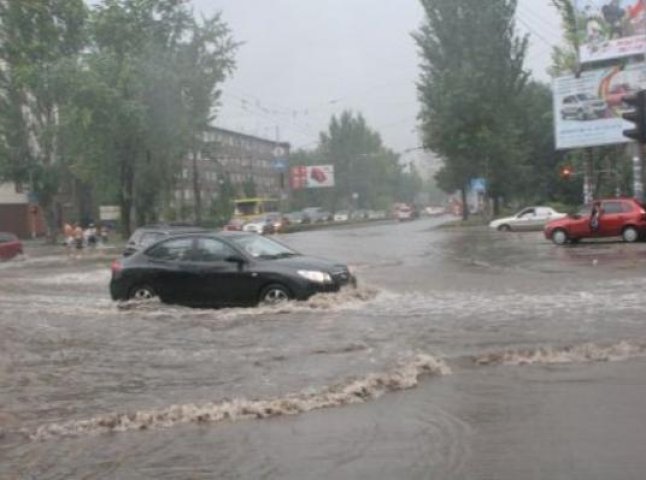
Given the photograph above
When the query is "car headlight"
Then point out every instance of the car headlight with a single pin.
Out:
(315, 276)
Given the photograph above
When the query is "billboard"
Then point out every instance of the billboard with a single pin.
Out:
(610, 28)
(588, 109)
(315, 176)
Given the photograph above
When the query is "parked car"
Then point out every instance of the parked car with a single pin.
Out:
(149, 234)
(617, 217)
(294, 218)
(10, 246)
(225, 269)
(583, 106)
(342, 216)
(434, 211)
(376, 215)
(315, 215)
(530, 218)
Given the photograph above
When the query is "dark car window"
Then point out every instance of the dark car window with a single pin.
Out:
(528, 212)
(149, 238)
(6, 238)
(176, 249)
(627, 207)
(211, 250)
(262, 247)
(612, 207)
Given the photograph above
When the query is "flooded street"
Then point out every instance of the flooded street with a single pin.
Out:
(463, 354)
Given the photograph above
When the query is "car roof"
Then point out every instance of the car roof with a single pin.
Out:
(171, 227)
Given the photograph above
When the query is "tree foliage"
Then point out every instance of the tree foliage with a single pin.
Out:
(367, 174)
(472, 75)
(110, 98)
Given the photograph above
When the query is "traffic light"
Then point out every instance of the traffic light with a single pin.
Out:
(636, 115)
(566, 172)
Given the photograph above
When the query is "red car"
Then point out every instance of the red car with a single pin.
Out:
(10, 246)
(617, 217)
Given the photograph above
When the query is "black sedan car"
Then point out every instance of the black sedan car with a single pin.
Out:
(224, 269)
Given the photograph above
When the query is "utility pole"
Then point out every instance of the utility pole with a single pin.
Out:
(588, 178)
(638, 185)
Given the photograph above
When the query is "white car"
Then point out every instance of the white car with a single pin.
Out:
(342, 216)
(530, 218)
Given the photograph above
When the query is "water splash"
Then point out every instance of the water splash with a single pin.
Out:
(584, 353)
(404, 376)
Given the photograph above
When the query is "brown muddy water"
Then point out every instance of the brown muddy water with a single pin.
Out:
(464, 354)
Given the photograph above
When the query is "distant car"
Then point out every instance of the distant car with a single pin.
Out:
(225, 269)
(403, 213)
(531, 218)
(358, 214)
(618, 217)
(261, 225)
(294, 218)
(342, 216)
(433, 211)
(583, 106)
(10, 246)
(376, 215)
(276, 220)
(315, 215)
(149, 234)
(234, 225)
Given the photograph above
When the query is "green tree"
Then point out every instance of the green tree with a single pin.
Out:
(36, 40)
(471, 76)
(144, 98)
(364, 168)
(206, 58)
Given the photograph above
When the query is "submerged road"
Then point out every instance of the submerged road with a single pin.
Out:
(464, 354)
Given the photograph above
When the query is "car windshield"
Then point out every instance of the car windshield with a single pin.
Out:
(262, 247)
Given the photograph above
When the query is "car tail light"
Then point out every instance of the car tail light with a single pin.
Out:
(643, 213)
(116, 267)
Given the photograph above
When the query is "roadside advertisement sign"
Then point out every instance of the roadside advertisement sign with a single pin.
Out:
(610, 28)
(588, 109)
(315, 176)
(109, 213)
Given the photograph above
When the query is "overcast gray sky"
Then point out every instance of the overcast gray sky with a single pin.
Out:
(304, 60)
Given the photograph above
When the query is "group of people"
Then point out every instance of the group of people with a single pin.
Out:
(77, 237)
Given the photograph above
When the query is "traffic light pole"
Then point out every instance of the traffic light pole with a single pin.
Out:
(638, 184)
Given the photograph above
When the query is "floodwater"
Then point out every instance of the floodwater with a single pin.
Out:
(464, 354)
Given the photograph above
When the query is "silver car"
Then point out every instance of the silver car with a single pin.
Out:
(530, 218)
(583, 106)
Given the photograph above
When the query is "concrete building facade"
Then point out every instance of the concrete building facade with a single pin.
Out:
(243, 158)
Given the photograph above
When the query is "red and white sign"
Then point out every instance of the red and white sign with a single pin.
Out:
(315, 176)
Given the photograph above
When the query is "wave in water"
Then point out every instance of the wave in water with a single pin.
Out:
(361, 390)
(584, 353)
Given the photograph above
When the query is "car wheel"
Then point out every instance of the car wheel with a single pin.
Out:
(275, 294)
(559, 236)
(504, 228)
(142, 292)
(630, 235)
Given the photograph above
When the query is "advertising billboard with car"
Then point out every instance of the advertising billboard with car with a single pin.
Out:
(588, 109)
(610, 28)
(314, 176)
